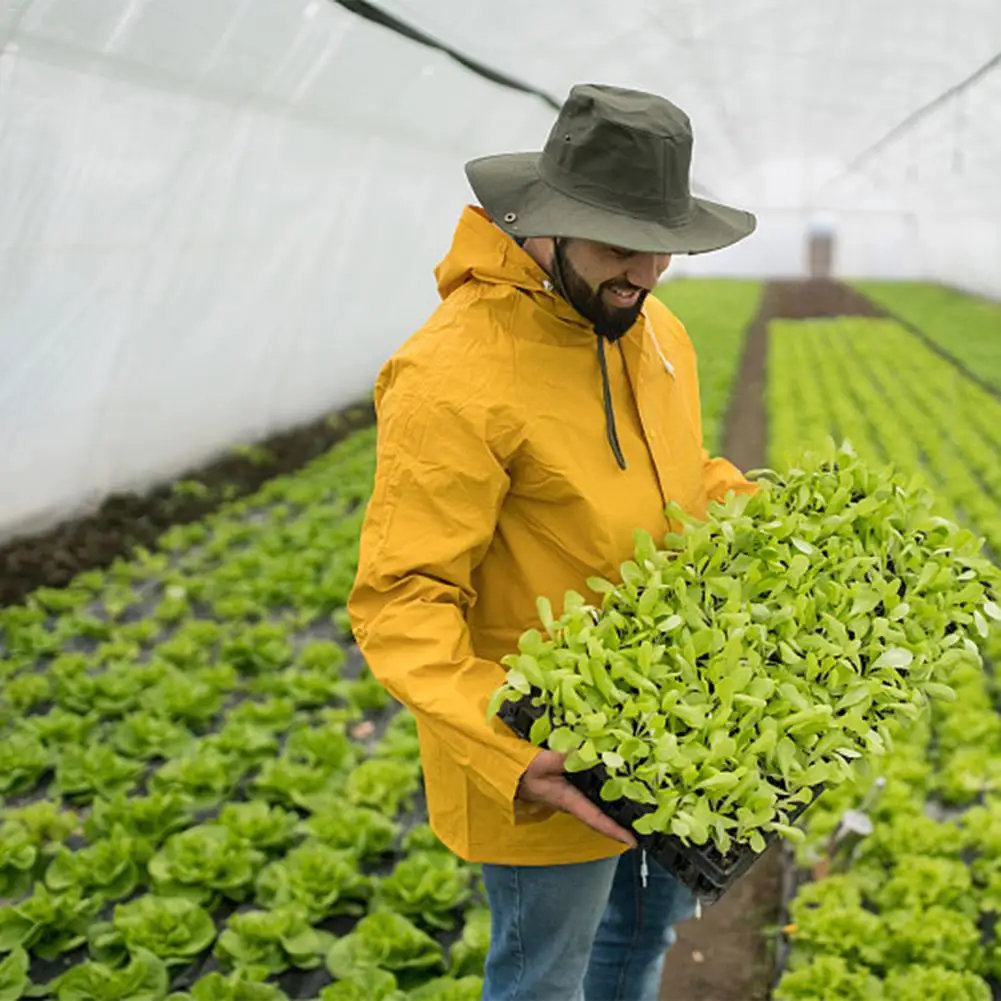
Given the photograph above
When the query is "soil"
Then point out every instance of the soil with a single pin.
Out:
(126, 521)
(727, 953)
(745, 434)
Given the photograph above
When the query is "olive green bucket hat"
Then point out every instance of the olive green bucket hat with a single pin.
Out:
(615, 169)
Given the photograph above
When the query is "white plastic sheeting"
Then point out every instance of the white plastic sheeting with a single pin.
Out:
(785, 95)
(217, 217)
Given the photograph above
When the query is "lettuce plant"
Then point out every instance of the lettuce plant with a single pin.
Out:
(14, 982)
(363, 831)
(46, 822)
(294, 783)
(181, 697)
(258, 649)
(58, 728)
(911, 834)
(935, 983)
(850, 931)
(919, 882)
(420, 838)
(304, 686)
(203, 774)
(934, 936)
(250, 741)
(322, 655)
(234, 987)
(275, 713)
(112, 693)
(170, 610)
(969, 773)
(318, 878)
(323, 747)
(144, 978)
(18, 856)
(449, 989)
(382, 783)
(262, 826)
(368, 694)
(47, 923)
(106, 870)
(400, 740)
(830, 978)
(388, 941)
(26, 691)
(428, 886)
(218, 675)
(469, 954)
(272, 940)
(368, 984)
(172, 928)
(144, 632)
(23, 761)
(204, 861)
(146, 735)
(85, 772)
(148, 820)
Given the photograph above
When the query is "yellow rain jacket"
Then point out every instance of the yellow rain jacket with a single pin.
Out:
(495, 484)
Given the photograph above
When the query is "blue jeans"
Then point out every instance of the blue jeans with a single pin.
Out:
(582, 932)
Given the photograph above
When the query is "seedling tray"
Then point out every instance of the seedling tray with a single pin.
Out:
(701, 868)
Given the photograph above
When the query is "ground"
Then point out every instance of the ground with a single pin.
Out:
(725, 955)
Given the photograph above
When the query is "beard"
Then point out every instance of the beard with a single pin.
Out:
(608, 321)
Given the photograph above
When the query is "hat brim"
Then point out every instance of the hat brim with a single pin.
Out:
(509, 184)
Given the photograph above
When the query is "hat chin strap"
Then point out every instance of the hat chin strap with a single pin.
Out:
(559, 283)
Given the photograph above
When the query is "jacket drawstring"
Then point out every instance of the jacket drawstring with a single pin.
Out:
(560, 285)
(606, 390)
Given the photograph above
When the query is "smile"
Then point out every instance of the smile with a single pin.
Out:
(623, 298)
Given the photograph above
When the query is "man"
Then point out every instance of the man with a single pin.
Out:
(547, 409)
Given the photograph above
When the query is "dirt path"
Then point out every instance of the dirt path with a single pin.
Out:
(726, 956)
(745, 436)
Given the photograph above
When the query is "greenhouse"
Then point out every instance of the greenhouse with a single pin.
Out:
(442, 441)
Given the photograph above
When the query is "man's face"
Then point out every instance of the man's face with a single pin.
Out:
(607, 285)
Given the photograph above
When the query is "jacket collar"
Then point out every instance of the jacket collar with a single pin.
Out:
(482, 252)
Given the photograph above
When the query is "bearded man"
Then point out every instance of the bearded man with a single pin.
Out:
(546, 410)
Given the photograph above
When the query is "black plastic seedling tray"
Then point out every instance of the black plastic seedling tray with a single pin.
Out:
(701, 868)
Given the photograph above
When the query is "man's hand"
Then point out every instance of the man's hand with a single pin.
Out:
(544, 783)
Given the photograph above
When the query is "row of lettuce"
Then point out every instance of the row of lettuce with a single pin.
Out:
(910, 915)
(872, 382)
(205, 792)
(966, 327)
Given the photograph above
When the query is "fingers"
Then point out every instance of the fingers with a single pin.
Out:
(547, 763)
(544, 782)
(565, 797)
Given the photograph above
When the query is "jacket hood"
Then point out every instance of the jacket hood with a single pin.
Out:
(481, 251)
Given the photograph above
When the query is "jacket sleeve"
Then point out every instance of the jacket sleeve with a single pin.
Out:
(439, 486)
(721, 476)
